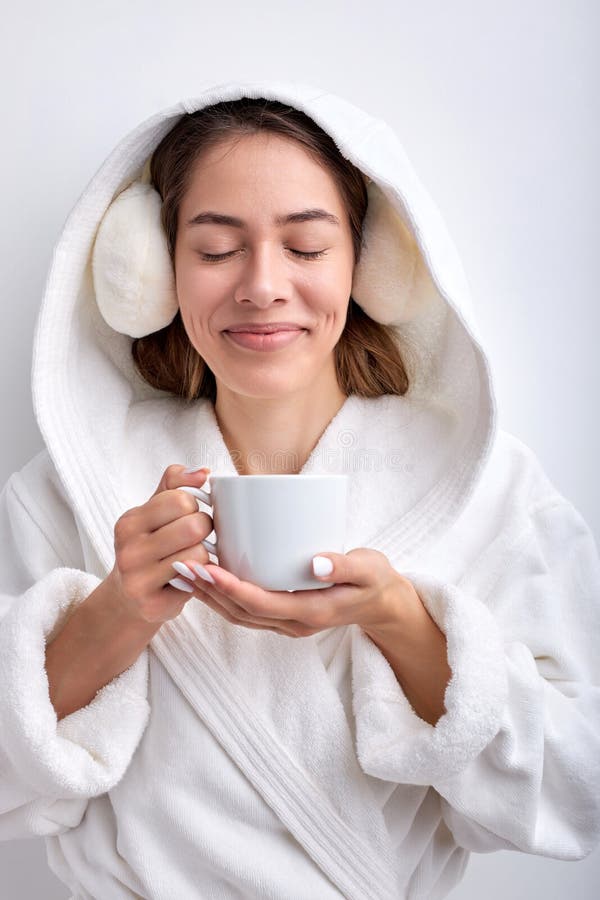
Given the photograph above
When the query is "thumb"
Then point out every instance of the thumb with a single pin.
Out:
(355, 567)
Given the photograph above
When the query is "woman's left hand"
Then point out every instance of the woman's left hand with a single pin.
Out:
(367, 592)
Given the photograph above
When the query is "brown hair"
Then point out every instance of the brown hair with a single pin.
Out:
(367, 358)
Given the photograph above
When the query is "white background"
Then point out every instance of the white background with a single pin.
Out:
(498, 108)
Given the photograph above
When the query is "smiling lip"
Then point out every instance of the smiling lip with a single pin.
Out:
(265, 328)
(265, 341)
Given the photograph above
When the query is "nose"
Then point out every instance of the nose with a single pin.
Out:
(263, 277)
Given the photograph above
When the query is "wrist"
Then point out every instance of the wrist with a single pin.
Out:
(108, 604)
(97, 642)
(403, 613)
(416, 650)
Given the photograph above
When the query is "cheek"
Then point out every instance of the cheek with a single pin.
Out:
(335, 294)
(330, 287)
(199, 293)
(194, 281)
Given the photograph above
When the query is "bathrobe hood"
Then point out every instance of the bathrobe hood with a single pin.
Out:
(94, 411)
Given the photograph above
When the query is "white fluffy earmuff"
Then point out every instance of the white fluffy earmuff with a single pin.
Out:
(385, 282)
(134, 282)
(131, 267)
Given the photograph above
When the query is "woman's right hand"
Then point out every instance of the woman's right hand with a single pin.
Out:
(150, 538)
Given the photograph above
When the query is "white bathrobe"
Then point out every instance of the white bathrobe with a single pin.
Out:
(229, 762)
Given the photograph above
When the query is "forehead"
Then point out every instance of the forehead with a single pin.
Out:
(265, 163)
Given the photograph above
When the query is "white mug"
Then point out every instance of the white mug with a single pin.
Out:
(269, 527)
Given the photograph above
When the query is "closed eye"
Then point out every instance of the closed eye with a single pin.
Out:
(215, 257)
(312, 254)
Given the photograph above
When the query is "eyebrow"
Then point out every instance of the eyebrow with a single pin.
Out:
(304, 215)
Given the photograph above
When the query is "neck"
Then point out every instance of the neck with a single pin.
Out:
(275, 435)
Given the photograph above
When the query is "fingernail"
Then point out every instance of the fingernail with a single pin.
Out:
(181, 585)
(203, 573)
(322, 565)
(184, 570)
(197, 469)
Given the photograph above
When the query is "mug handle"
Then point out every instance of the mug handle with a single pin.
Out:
(199, 494)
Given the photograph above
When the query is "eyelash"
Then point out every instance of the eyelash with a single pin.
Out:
(215, 257)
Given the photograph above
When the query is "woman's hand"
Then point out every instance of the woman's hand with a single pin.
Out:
(367, 592)
(150, 538)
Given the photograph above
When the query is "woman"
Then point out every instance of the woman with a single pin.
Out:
(176, 732)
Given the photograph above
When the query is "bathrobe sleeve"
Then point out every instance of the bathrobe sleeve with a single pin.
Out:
(48, 769)
(515, 758)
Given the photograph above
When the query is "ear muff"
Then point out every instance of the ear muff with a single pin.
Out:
(134, 282)
(385, 278)
(133, 278)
